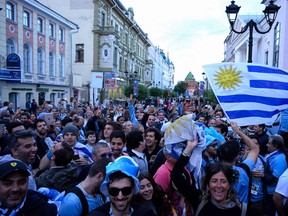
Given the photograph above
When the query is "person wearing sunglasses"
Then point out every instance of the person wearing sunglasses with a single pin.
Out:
(100, 150)
(120, 185)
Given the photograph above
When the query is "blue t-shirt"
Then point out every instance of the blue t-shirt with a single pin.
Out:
(71, 204)
(242, 184)
(257, 192)
(278, 165)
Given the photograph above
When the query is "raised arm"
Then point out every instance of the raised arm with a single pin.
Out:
(254, 148)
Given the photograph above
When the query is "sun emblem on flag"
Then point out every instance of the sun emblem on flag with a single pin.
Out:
(228, 78)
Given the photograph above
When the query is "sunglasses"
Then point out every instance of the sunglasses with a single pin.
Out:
(104, 155)
(125, 191)
(213, 145)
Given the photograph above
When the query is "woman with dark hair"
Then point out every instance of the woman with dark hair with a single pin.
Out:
(276, 160)
(219, 197)
(150, 193)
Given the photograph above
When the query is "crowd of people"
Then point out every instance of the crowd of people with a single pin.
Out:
(152, 157)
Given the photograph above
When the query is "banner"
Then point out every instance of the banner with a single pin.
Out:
(135, 88)
(96, 80)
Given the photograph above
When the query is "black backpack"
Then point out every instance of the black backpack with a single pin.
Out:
(84, 203)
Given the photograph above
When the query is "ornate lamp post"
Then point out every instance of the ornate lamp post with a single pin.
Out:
(270, 13)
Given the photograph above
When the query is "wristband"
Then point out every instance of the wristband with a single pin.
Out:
(49, 154)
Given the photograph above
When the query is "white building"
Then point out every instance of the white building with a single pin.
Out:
(35, 53)
(270, 48)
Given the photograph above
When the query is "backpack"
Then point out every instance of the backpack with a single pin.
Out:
(81, 196)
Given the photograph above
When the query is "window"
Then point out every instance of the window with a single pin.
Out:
(61, 34)
(266, 56)
(40, 26)
(103, 19)
(51, 64)
(10, 11)
(61, 66)
(26, 19)
(79, 53)
(10, 46)
(27, 59)
(120, 64)
(126, 39)
(51, 30)
(115, 56)
(40, 61)
(276, 45)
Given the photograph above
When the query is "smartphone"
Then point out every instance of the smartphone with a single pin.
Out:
(48, 117)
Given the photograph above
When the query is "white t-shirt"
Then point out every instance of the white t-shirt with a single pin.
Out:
(282, 186)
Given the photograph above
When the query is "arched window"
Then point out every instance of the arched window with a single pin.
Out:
(51, 63)
(61, 66)
(40, 61)
(27, 59)
(51, 30)
(10, 11)
(10, 46)
(26, 19)
(40, 25)
(61, 35)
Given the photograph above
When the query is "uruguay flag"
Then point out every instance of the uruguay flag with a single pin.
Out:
(249, 93)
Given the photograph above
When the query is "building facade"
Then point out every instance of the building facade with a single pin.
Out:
(112, 45)
(35, 47)
(269, 49)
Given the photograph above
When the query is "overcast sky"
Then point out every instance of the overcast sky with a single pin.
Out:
(192, 32)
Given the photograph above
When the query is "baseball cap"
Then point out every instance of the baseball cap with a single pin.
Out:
(12, 166)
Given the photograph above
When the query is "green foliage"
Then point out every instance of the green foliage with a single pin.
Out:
(181, 87)
(155, 92)
(142, 91)
(210, 96)
(173, 94)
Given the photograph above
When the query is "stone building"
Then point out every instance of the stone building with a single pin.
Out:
(111, 50)
(35, 53)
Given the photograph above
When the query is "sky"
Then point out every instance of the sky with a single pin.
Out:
(191, 32)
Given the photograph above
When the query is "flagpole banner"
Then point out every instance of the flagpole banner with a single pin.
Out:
(249, 93)
(135, 88)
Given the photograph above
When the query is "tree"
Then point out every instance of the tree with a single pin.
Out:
(181, 87)
(210, 96)
(142, 91)
(155, 92)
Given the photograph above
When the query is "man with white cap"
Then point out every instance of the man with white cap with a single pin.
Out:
(120, 185)
(15, 198)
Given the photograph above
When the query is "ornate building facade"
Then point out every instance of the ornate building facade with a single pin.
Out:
(35, 53)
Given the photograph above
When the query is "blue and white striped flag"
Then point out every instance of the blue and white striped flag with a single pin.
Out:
(249, 93)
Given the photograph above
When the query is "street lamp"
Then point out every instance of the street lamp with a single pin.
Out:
(131, 77)
(270, 13)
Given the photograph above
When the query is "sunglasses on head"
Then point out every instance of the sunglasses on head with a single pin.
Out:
(109, 154)
(125, 191)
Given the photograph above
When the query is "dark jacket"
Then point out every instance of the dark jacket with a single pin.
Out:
(37, 204)
(139, 210)
(59, 178)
